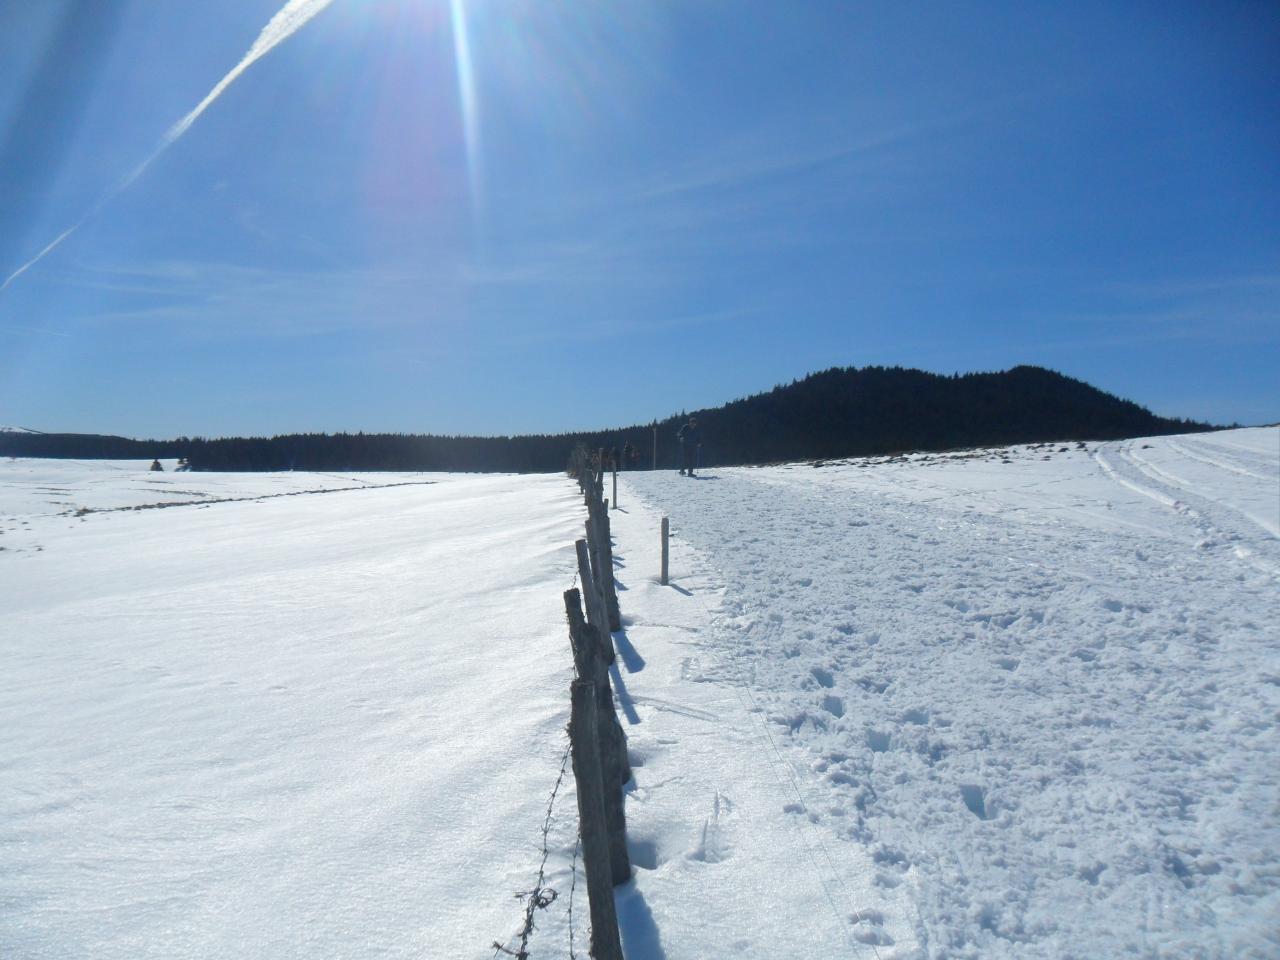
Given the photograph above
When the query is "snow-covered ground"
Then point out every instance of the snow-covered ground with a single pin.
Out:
(1015, 702)
(320, 725)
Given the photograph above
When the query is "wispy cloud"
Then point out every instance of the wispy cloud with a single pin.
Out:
(1226, 309)
(16, 328)
(209, 299)
(291, 18)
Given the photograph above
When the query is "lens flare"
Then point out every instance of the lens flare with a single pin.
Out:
(467, 98)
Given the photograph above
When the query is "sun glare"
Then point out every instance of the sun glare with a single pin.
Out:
(466, 97)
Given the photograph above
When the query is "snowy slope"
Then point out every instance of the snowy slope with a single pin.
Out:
(1038, 689)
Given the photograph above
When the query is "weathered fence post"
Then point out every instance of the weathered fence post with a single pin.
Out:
(615, 485)
(592, 531)
(612, 740)
(600, 539)
(666, 532)
(600, 579)
(596, 615)
(605, 944)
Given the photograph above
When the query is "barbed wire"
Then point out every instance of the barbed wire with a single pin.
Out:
(541, 896)
(573, 884)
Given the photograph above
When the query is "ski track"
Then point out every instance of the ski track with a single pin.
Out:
(1046, 735)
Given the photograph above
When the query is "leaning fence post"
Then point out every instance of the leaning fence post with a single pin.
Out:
(666, 532)
(605, 944)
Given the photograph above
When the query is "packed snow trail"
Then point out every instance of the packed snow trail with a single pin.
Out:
(1038, 689)
(727, 858)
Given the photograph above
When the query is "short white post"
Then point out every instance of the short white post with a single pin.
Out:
(666, 532)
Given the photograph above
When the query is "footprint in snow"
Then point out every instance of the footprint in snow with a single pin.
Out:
(975, 798)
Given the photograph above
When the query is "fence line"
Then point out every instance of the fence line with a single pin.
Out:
(597, 741)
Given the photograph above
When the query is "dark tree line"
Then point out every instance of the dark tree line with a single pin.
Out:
(871, 411)
(840, 412)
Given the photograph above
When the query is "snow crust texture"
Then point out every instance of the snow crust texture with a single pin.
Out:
(1029, 697)
(271, 722)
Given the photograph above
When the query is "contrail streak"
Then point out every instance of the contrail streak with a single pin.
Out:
(291, 18)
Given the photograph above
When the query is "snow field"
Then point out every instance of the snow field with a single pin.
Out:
(310, 726)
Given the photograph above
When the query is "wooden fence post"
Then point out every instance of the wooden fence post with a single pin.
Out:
(615, 769)
(600, 576)
(596, 615)
(602, 551)
(666, 532)
(605, 943)
(615, 486)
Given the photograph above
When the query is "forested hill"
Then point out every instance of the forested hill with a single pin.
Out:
(839, 412)
(877, 410)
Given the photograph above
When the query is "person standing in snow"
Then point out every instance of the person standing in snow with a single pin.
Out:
(690, 443)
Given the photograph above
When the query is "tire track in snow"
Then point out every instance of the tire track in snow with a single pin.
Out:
(1252, 456)
(1214, 462)
(1211, 533)
(1161, 475)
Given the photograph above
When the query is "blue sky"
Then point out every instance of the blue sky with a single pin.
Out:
(508, 216)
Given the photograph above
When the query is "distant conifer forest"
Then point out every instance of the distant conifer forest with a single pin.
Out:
(841, 412)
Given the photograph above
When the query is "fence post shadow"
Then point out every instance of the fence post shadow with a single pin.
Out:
(640, 939)
(631, 658)
(624, 698)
